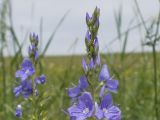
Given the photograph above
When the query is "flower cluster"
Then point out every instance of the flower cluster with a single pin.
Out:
(27, 83)
(91, 98)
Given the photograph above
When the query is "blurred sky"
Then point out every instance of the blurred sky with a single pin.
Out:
(28, 13)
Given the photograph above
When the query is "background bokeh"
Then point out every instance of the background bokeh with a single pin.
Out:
(128, 34)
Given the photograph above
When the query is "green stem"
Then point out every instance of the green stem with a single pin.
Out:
(3, 79)
(155, 81)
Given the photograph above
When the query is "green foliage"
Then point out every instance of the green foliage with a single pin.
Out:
(136, 101)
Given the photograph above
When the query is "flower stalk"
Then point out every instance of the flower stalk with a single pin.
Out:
(91, 99)
(28, 79)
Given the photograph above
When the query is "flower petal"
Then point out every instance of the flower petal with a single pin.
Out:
(18, 112)
(113, 113)
(99, 112)
(112, 85)
(83, 84)
(26, 63)
(106, 101)
(102, 91)
(17, 90)
(73, 92)
(40, 79)
(104, 73)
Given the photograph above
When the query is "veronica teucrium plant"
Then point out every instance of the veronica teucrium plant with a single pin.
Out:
(91, 98)
(27, 80)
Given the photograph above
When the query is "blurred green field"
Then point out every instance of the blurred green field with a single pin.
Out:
(135, 96)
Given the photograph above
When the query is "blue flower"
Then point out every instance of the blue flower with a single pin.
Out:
(26, 70)
(83, 109)
(104, 73)
(107, 110)
(25, 88)
(82, 85)
(18, 111)
(109, 83)
(40, 79)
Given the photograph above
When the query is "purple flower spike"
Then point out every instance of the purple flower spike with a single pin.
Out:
(40, 80)
(107, 110)
(83, 84)
(84, 108)
(18, 112)
(26, 70)
(104, 73)
(84, 64)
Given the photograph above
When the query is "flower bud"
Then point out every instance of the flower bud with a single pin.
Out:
(34, 39)
(88, 19)
(87, 38)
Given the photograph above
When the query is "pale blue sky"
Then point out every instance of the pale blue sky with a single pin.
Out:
(27, 15)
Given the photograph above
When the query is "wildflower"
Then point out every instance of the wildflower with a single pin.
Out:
(81, 95)
(109, 83)
(40, 79)
(107, 110)
(84, 108)
(82, 85)
(26, 70)
(25, 88)
(27, 85)
(18, 111)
